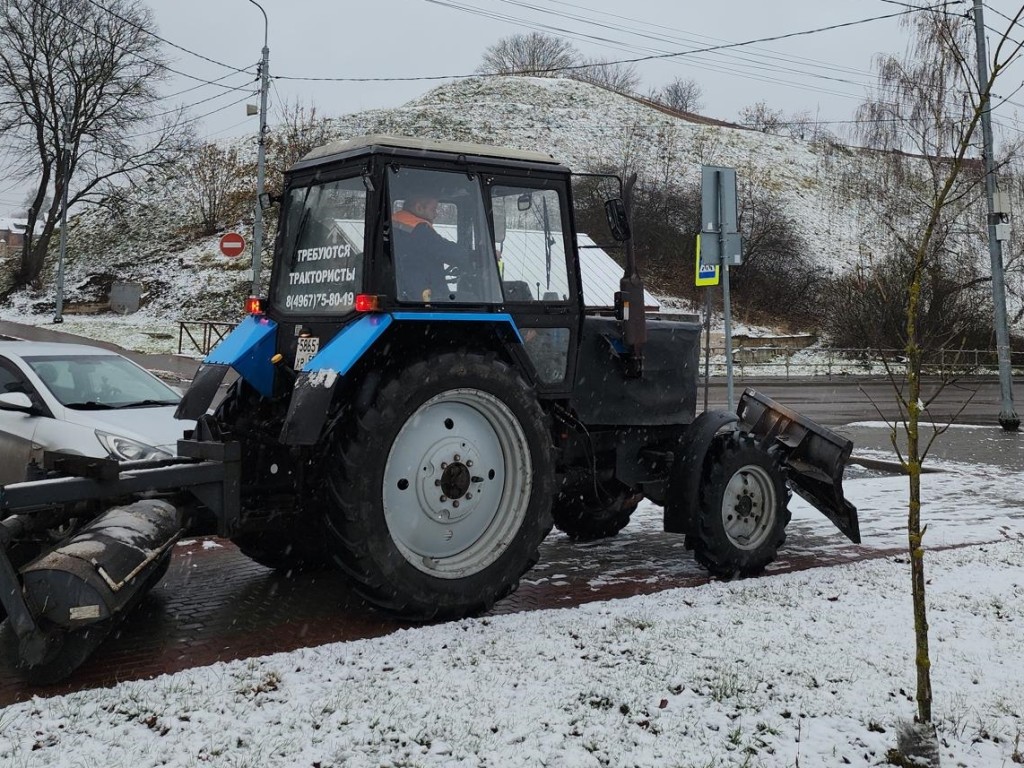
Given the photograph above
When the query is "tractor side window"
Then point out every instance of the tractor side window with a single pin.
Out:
(531, 244)
(440, 242)
(323, 236)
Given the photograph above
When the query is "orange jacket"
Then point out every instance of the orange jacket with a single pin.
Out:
(408, 220)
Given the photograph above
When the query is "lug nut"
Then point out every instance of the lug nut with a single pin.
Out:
(444, 499)
(437, 482)
(455, 503)
(469, 495)
(444, 465)
(469, 463)
(457, 457)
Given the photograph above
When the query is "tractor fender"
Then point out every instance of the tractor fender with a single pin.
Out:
(247, 349)
(315, 384)
(683, 493)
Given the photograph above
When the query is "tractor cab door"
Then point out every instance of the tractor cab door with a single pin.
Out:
(540, 286)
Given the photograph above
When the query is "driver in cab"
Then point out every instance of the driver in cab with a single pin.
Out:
(421, 253)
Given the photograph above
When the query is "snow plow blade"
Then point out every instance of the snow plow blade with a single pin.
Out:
(75, 592)
(815, 456)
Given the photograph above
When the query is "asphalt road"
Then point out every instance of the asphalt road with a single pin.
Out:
(842, 399)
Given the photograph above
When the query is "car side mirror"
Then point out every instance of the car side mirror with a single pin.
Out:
(16, 401)
(618, 221)
(266, 200)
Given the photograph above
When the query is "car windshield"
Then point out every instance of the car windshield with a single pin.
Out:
(100, 382)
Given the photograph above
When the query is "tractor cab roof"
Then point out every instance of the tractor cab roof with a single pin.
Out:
(403, 146)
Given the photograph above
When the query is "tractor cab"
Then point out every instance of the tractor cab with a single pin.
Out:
(425, 231)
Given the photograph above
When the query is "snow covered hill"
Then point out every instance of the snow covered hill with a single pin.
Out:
(142, 238)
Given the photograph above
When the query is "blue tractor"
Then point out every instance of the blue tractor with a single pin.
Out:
(422, 395)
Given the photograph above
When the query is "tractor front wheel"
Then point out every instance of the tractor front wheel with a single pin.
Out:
(743, 514)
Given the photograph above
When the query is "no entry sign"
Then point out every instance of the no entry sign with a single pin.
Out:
(232, 245)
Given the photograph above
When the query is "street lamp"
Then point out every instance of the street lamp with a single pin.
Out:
(257, 228)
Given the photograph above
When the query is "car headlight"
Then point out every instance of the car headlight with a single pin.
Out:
(125, 449)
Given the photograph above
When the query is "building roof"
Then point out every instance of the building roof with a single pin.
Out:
(13, 225)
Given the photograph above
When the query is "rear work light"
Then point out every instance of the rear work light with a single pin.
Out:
(253, 305)
(366, 302)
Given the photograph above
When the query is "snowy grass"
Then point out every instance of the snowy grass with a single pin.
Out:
(803, 669)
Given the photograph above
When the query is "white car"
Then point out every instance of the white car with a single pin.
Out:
(83, 400)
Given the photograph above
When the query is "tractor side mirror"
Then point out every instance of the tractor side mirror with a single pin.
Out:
(16, 401)
(524, 202)
(618, 221)
(266, 200)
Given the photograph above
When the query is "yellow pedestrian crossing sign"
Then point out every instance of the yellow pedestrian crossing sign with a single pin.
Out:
(707, 274)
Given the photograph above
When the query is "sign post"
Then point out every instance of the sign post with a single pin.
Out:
(719, 225)
(232, 245)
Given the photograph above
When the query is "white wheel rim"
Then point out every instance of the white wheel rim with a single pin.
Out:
(748, 507)
(457, 483)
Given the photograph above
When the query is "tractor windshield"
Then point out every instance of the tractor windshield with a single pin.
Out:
(322, 242)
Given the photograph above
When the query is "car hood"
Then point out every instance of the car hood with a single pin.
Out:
(154, 426)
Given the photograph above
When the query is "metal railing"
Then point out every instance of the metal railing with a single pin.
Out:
(823, 361)
(203, 335)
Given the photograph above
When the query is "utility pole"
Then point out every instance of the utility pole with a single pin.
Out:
(257, 228)
(1008, 418)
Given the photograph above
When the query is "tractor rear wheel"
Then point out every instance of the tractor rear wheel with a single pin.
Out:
(586, 517)
(441, 490)
(743, 514)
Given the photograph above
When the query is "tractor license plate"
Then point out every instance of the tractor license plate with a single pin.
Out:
(305, 349)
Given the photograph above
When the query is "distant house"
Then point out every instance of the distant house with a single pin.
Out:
(12, 236)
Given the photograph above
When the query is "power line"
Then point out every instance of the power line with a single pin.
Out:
(197, 118)
(687, 37)
(138, 56)
(203, 85)
(940, 8)
(1013, 22)
(746, 61)
(166, 41)
(248, 92)
(573, 67)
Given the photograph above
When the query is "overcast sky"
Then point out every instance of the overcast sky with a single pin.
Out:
(824, 73)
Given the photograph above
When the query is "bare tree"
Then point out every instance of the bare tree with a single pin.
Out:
(532, 54)
(682, 95)
(299, 129)
(616, 77)
(216, 186)
(780, 279)
(761, 117)
(924, 118)
(78, 82)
